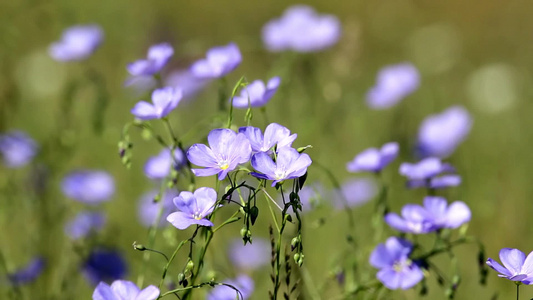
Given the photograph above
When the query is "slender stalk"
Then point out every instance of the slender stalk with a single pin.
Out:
(518, 290)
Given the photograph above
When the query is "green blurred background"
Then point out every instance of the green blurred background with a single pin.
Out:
(474, 53)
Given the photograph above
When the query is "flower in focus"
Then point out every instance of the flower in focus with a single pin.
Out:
(355, 192)
(159, 166)
(243, 283)
(17, 149)
(250, 256)
(516, 266)
(164, 101)
(194, 208)
(77, 43)
(275, 135)
(427, 173)
(84, 223)
(90, 187)
(158, 56)
(149, 210)
(219, 61)
(256, 94)
(301, 29)
(124, 290)
(374, 160)
(289, 164)
(434, 215)
(28, 273)
(396, 269)
(104, 265)
(227, 150)
(440, 134)
(189, 84)
(393, 84)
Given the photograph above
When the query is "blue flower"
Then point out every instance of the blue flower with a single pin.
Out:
(374, 160)
(149, 210)
(275, 135)
(90, 187)
(17, 149)
(219, 61)
(193, 208)
(356, 192)
(428, 173)
(256, 94)
(164, 101)
(289, 165)
(301, 29)
(434, 215)
(77, 43)
(28, 273)
(396, 269)
(85, 223)
(393, 84)
(124, 290)
(243, 283)
(440, 134)
(159, 166)
(158, 56)
(250, 256)
(104, 265)
(516, 266)
(185, 80)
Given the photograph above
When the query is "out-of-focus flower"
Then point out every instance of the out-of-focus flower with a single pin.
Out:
(396, 269)
(164, 101)
(374, 160)
(301, 29)
(256, 94)
(219, 61)
(158, 56)
(77, 43)
(243, 283)
(84, 223)
(149, 210)
(289, 164)
(275, 135)
(124, 290)
(185, 80)
(250, 256)
(28, 273)
(194, 208)
(516, 266)
(355, 192)
(434, 215)
(104, 265)
(159, 166)
(393, 84)
(17, 148)
(440, 134)
(427, 173)
(310, 196)
(227, 150)
(90, 187)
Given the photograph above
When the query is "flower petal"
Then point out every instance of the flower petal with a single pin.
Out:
(263, 163)
(181, 220)
(205, 200)
(149, 293)
(104, 292)
(144, 111)
(201, 155)
(498, 268)
(458, 214)
(125, 289)
(512, 259)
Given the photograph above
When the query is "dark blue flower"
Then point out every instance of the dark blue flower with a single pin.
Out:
(28, 273)
(104, 265)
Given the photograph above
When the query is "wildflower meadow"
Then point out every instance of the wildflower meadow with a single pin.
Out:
(265, 150)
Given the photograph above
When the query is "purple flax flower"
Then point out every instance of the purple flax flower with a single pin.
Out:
(275, 134)
(356, 192)
(228, 149)
(194, 208)
(104, 265)
(374, 160)
(425, 174)
(250, 256)
(256, 94)
(289, 164)
(159, 166)
(218, 62)
(17, 149)
(396, 270)
(440, 134)
(158, 56)
(28, 273)
(243, 283)
(516, 266)
(393, 84)
(149, 210)
(164, 101)
(90, 187)
(77, 43)
(434, 215)
(85, 223)
(124, 290)
(301, 29)
(187, 82)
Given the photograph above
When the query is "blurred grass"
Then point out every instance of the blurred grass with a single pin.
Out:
(322, 100)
